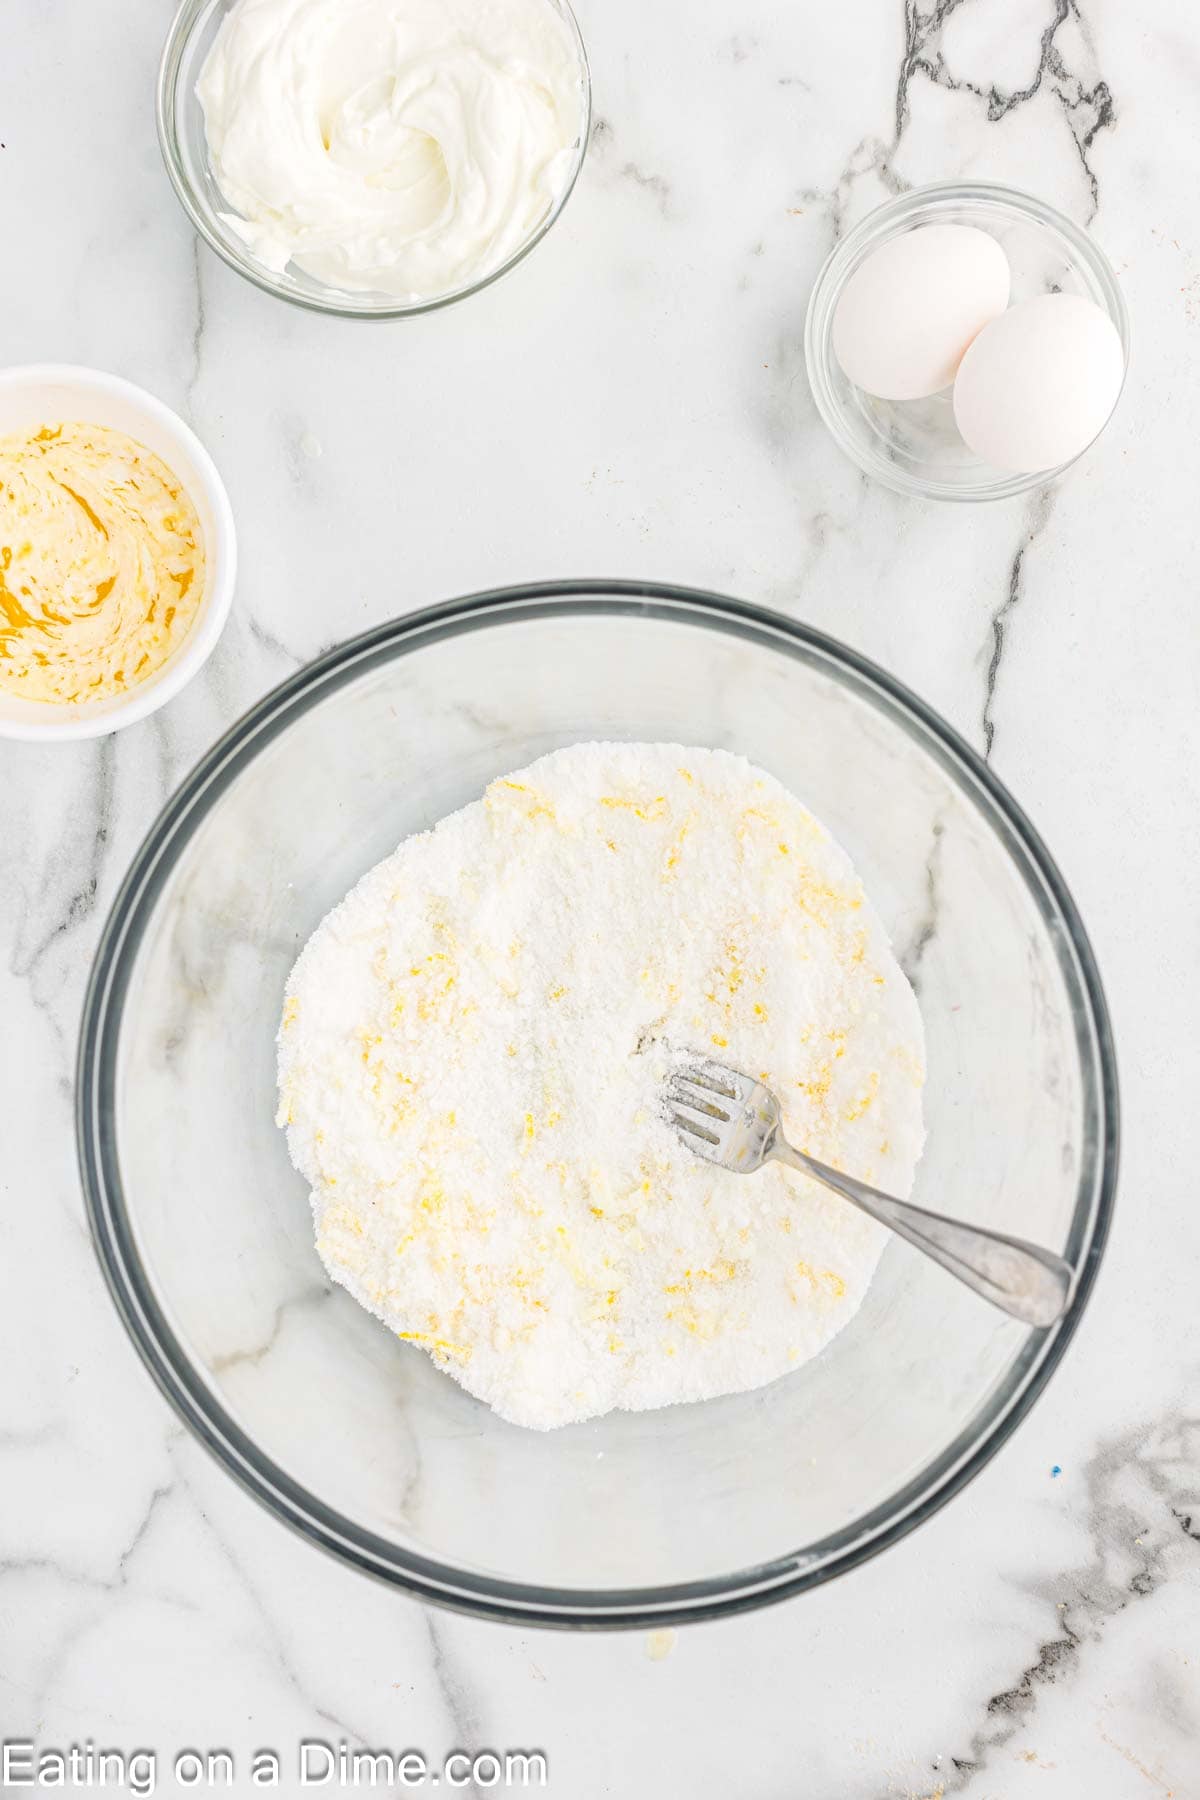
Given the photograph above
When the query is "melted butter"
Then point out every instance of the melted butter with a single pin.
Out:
(101, 564)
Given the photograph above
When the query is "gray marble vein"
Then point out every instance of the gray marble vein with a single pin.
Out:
(254, 1353)
(462, 1706)
(1082, 95)
(1040, 510)
(911, 955)
(196, 366)
(1139, 1489)
(274, 648)
(71, 880)
(1087, 109)
(657, 186)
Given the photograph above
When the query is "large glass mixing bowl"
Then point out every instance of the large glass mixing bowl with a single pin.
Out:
(204, 1229)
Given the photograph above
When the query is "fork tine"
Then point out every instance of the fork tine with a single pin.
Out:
(694, 1129)
(698, 1100)
(703, 1076)
(706, 1118)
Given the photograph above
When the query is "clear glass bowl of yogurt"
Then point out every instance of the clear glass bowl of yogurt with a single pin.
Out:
(914, 446)
(277, 140)
(357, 1440)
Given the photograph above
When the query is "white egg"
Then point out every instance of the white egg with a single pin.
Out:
(909, 311)
(1039, 383)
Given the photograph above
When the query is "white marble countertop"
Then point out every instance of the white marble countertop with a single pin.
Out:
(633, 402)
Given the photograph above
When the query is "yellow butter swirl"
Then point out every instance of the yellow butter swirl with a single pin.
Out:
(101, 564)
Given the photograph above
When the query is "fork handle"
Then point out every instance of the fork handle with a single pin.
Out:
(1030, 1283)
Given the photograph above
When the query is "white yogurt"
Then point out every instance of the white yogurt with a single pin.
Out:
(408, 147)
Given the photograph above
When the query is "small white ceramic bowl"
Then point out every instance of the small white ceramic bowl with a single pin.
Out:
(51, 393)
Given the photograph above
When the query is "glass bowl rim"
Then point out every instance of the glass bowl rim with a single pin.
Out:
(179, 35)
(525, 1603)
(834, 271)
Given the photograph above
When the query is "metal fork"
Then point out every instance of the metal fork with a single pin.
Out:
(734, 1122)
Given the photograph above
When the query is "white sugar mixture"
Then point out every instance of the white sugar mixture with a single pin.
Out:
(470, 1065)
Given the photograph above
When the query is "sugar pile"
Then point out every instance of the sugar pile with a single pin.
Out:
(470, 1059)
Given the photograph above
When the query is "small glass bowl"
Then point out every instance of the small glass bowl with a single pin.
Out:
(914, 446)
(184, 146)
